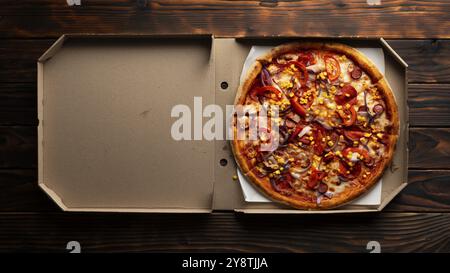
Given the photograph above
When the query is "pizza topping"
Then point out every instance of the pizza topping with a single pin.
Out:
(332, 67)
(349, 172)
(306, 58)
(319, 139)
(356, 73)
(268, 91)
(265, 77)
(353, 135)
(295, 70)
(300, 131)
(323, 188)
(347, 94)
(315, 177)
(282, 184)
(378, 109)
(298, 108)
(347, 115)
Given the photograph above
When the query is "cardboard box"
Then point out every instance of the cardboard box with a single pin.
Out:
(104, 108)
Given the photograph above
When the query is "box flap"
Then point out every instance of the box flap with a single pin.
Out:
(105, 139)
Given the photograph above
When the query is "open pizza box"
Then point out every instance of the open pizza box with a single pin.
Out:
(107, 105)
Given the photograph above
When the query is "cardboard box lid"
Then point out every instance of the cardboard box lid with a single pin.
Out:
(104, 107)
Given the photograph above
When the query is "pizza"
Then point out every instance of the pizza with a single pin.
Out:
(327, 124)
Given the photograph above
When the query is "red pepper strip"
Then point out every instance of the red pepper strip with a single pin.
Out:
(319, 145)
(259, 91)
(297, 130)
(303, 78)
(348, 121)
(298, 108)
(353, 135)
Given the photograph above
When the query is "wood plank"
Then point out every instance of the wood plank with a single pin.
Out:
(429, 148)
(20, 192)
(396, 232)
(429, 105)
(428, 60)
(18, 104)
(18, 147)
(390, 19)
(427, 191)
(18, 59)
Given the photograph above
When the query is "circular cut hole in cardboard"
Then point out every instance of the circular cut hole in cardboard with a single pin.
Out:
(224, 85)
(223, 162)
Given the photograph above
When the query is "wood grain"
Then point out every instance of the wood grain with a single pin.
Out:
(18, 105)
(391, 19)
(428, 191)
(19, 192)
(429, 105)
(18, 59)
(429, 148)
(425, 59)
(18, 147)
(396, 232)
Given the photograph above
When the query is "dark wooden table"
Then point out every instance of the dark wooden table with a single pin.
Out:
(417, 220)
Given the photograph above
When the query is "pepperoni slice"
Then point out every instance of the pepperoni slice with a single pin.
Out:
(323, 188)
(356, 73)
(347, 94)
(378, 109)
(282, 185)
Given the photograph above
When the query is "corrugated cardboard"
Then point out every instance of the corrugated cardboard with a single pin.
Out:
(104, 104)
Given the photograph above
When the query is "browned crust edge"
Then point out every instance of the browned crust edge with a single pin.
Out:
(376, 77)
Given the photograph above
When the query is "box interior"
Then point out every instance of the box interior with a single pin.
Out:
(106, 123)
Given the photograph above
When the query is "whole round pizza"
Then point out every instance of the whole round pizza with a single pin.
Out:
(327, 124)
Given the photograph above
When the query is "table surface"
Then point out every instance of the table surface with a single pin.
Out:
(418, 219)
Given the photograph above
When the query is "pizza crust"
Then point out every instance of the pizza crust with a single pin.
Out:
(359, 188)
